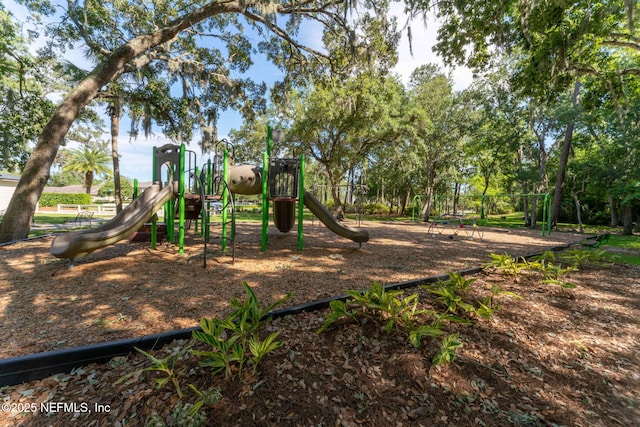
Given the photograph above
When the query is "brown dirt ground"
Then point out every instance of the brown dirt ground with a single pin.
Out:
(551, 358)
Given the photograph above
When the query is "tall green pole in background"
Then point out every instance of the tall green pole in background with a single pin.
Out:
(170, 209)
(225, 197)
(182, 201)
(265, 199)
(209, 191)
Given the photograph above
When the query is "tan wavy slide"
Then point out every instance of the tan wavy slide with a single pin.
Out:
(77, 244)
(324, 215)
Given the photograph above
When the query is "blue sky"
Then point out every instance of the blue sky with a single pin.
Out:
(136, 155)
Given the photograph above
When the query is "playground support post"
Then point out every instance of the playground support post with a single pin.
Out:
(546, 208)
(182, 200)
(154, 221)
(301, 204)
(209, 190)
(265, 202)
(225, 197)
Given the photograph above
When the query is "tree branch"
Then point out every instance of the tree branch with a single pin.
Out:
(282, 34)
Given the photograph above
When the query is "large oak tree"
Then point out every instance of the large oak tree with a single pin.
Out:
(137, 34)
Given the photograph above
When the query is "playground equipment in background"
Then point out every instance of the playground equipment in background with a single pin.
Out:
(451, 224)
(187, 195)
(353, 194)
(77, 244)
(283, 185)
(457, 224)
(482, 208)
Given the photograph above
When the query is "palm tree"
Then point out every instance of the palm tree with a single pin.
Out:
(88, 162)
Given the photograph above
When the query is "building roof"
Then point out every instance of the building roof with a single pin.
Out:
(8, 177)
(71, 189)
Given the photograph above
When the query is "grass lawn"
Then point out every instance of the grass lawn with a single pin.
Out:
(631, 243)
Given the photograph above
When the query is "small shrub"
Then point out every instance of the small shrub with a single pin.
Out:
(507, 264)
(448, 348)
(52, 200)
(235, 341)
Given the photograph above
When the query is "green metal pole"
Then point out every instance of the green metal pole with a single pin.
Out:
(209, 192)
(135, 189)
(201, 218)
(301, 204)
(154, 221)
(265, 202)
(225, 198)
(182, 201)
(550, 210)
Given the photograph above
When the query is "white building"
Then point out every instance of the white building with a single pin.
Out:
(8, 184)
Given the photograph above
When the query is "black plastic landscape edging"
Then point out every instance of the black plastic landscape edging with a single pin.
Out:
(21, 369)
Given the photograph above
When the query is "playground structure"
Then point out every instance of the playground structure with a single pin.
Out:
(189, 194)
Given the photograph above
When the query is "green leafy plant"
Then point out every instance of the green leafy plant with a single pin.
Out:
(166, 366)
(338, 311)
(458, 283)
(486, 307)
(387, 305)
(226, 351)
(580, 258)
(260, 348)
(235, 341)
(205, 398)
(448, 297)
(489, 304)
(546, 256)
(450, 292)
(448, 348)
(554, 274)
(417, 334)
(248, 315)
(507, 264)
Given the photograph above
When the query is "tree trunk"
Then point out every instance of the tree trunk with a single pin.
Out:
(426, 209)
(334, 184)
(613, 206)
(88, 181)
(407, 200)
(564, 159)
(627, 220)
(456, 198)
(115, 111)
(17, 219)
(578, 212)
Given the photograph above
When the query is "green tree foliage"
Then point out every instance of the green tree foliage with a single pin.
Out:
(555, 44)
(126, 37)
(427, 155)
(62, 179)
(337, 123)
(107, 188)
(554, 41)
(496, 127)
(89, 162)
(23, 106)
